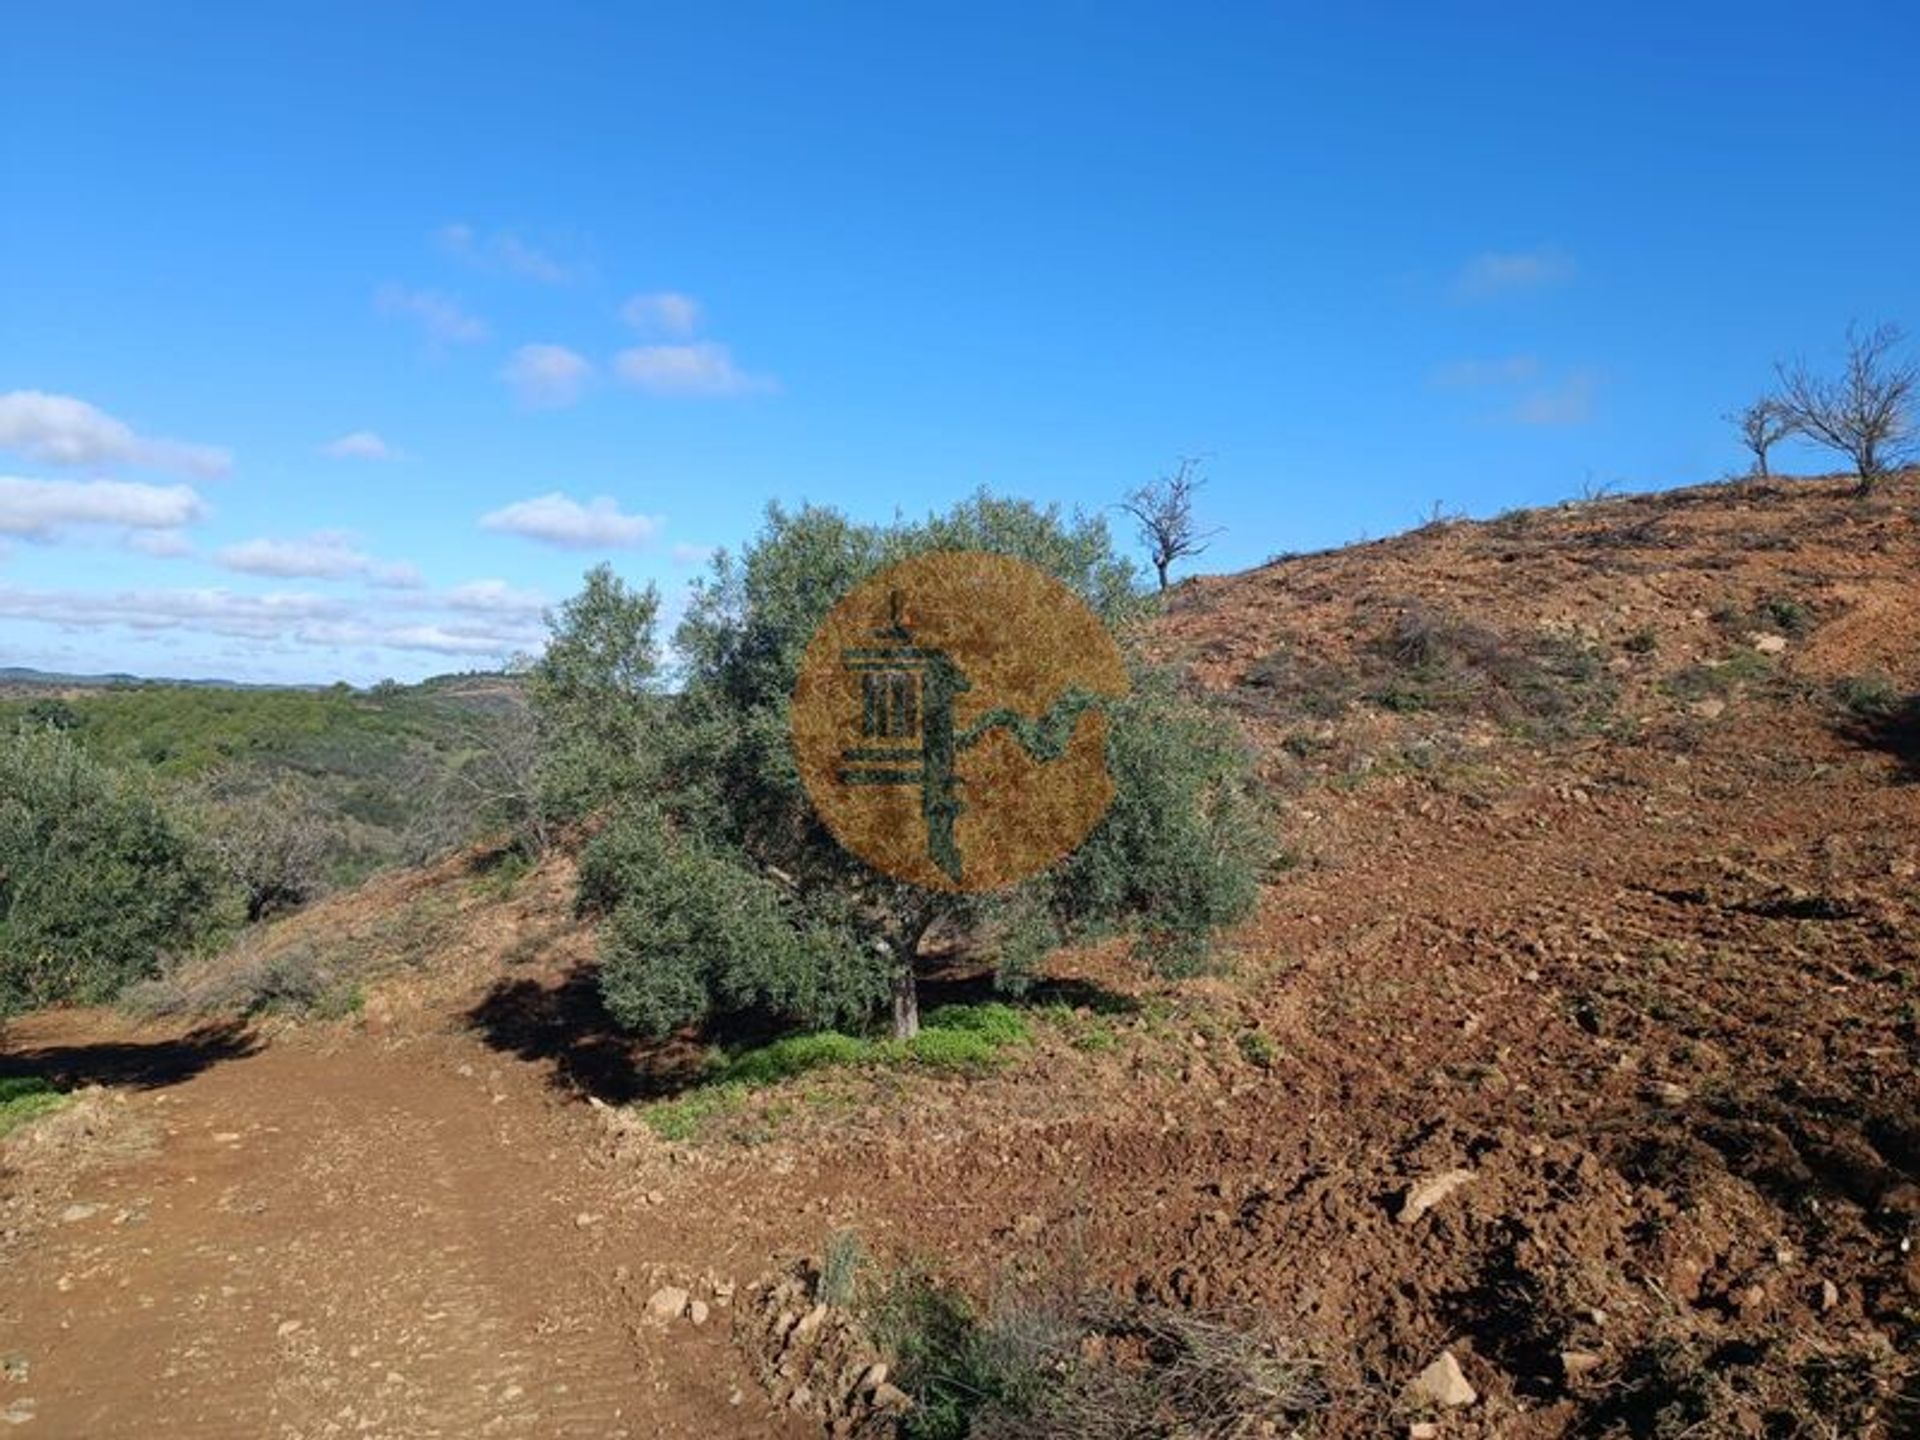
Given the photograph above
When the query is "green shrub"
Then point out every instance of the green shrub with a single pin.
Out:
(1178, 854)
(787, 919)
(98, 884)
(696, 933)
(1257, 1048)
(1871, 696)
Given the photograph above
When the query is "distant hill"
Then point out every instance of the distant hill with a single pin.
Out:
(23, 675)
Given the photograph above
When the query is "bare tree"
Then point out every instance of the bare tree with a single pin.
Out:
(1865, 413)
(492, 783)
(1164, 511)
(1762, 425)
(271, 837)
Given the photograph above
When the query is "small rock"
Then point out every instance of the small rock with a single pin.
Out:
(1442, 1384)
(1423, 1430)
(1665, 1092)
(1429, 1193)
(74, 1214)
(1770, 644)
(888, 1396)
(18, 1413)
(1829, 1296)
(583, 1220)
(287, 1327)
(697, 1311)
(227, 1137)
(667, 1303)
(875, 1377)
(804, 1330)
(1575, 1363)
(1710, 708)
(14, 1368)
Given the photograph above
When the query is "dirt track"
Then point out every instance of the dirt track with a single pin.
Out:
(342, 1240)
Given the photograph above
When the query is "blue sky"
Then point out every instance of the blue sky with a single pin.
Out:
(336, 339)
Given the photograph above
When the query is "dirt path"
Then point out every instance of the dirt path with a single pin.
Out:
(344, 1238)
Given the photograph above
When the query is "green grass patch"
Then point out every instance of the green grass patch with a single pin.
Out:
(687, 1116)
(24, 1098)
(966, 1038)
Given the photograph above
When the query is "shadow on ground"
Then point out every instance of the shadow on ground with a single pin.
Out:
(1895, 733)
(141, 1065)
(565, 1025)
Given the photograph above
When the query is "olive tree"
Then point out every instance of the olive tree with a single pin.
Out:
(725, 891)
(593, 696)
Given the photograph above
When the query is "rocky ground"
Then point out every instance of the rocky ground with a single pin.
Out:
(1564, 1085)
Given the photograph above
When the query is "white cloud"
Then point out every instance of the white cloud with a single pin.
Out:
(702, 368)
(1496, 273)
(328, 555)
(665, 312)
(1475, 374)
(284, 619)
(495, 597)
(558, 519)
(161, 544)
(443, 319)
(547, 376)
(218, 612)
(1568, 401)
(360, 445)
(685, 554)
(504, 250)
(42, 508)
(62, 430)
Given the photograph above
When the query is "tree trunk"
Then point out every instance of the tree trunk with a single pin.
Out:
(906, 1003)
(1161, 566)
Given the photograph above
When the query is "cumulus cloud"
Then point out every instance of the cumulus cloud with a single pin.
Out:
(504, 250)
(1475, 374)
(441, 317)
(63, 430)
(558, 519)
(42, 508)
(496, 597)
(360, 445)
(1494, 273)
(702, 368)
(328, 555)
(665, 312)
(547, 376)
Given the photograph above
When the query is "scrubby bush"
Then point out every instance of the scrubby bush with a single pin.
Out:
(271, 839)
(98, 882)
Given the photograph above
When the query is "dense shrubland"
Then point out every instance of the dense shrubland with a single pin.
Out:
(139, 825)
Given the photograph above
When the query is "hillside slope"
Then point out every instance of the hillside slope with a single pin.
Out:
(1600, 895)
